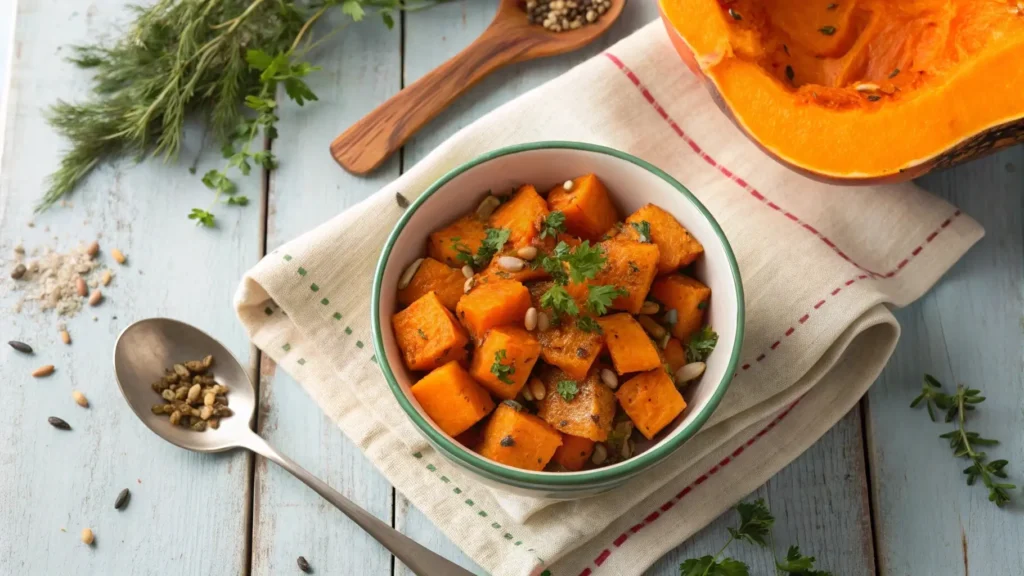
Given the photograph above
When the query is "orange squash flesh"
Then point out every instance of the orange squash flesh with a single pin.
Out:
(518, 350)
(867, 90)
(452, 399)
(518, 439)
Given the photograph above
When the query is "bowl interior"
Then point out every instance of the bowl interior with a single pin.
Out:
(631, 186)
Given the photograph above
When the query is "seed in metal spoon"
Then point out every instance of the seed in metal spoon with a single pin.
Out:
(42, 371)
(303, 565)
(87, 537)
(105, 278)
(80, 399)
(58, 423)
(18, 271)
(122, 499)
(20, 347)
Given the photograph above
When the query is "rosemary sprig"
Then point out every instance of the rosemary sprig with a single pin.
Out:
(964, 442)
(220, 61)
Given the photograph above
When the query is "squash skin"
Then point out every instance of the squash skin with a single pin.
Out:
(951, 139)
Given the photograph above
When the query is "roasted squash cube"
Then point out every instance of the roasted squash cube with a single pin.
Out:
(516, 438)
(464, 236)
(428, 334)
(515, 350)
(674, 355)
(494, 273)
(573, 453)
(433, 276)
(651, 401)
(452, 399)
(522, 216)
(493, 303)
(629, 265)
(688, 297)
(630, 347)
(586, 409)
(676, 246)
(589, 211)
(563, 344)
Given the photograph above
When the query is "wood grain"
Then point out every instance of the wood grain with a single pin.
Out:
(289, 519)
(51, 481)
(509, 38)
(966, 330)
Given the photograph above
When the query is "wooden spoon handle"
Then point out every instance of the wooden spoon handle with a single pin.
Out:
(371, 140)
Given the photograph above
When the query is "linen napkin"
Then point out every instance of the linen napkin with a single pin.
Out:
(820, 264)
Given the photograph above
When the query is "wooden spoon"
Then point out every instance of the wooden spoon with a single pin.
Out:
(509, 38)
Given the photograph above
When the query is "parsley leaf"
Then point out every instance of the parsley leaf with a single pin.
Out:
(502, 371)
(707, 566)
(798, 564)
(599, 298)
(421, 333)
(755, 522)
(558, 300)
(701, 344)
(643, 230)
(553, 266)
(462, 252)
(492, 243)
(567, 389)
(585, 261)
(353, 8)
(553, 224)
(238, 200)
(202, 217)
(588, 324)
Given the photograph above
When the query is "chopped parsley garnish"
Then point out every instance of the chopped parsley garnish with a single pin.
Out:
(588, 324)
(585, 261)
(462, 252)
(701, 344)
(558, 300)
(633, 267)
(599, 298)
(502, 371)
(702, 305)
(567, 389)
(493, 242)
(553, 225)
(421, 333)
(643, 230)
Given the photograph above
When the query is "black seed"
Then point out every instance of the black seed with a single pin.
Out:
(789, 73)
(122, 499)
(735, 15)
(832, 6)
(894, 73)
(596, 418)
(785, 49)
(303, 565)
(508, 441)
(403, 203)
(20, 346)
(874, 98)
(58, 423)
(581, 352)
(827, 30)
(563, 423)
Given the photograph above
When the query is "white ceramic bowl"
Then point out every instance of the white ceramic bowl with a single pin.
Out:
(632, 183)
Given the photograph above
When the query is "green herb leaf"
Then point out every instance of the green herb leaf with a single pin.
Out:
(585, 261)
(501, 370)
(701, 344)
(799, 565)
(707, 566)
(353, 8)
(553, 224)
(388, 19)
(755, 522)
(558, 300)
(492, 243)
(567, 389)
(238, 201)
(422, 334)
(588, 324)
(827, 30)
(599, 298)
(643, 230)
(202, 217)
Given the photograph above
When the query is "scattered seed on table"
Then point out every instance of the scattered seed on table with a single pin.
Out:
(105, 277)
(42, 371)
(122, 499)
(303, 564)
(95, 298)
(80, 287)
(18, 271)
(20, 347)
(93, 249)
(58, 423)
(87, 537)
(65, 337)
(118, 256)
(402, 201)
(80, 399)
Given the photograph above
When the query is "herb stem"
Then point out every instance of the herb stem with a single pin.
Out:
(719, 555)
(234, 22)
(302, 31)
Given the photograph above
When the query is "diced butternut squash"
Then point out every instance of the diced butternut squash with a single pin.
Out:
(515, 350)
(471, 438)
(589, 211)
(651, 401)
(674, 355)
(433, 276)
(493, 272)
(563, 344)
(464, 236)
(428, 334)
(583, 408)
(493, 304)
(522, 216)
(688, 297)
(630, 265)
(573, 453)
(452, 399)
(516, 438)
(675, 244)
(630, 347)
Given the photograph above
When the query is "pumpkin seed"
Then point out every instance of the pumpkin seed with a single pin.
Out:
(93, 249)
(600, 454)
(20, 347)
(487, 207)
(866, 87)
(467, 271)
(58, 423)
(118, 256)
(510, 263)
(527, 394)
(689, 372)
(80, 399)
(95, 298)
(402, 201)
(543, 322)
(87, 537)
(122, 499)
(663, 342)
(567, 186)
(537, 389)
(303, 564)
(42, 371)
(409, 272)
(530, 321)
(657, 331)
(609, 378)
(527, 253)
(468, 286)
(649, 307)
(627, 449)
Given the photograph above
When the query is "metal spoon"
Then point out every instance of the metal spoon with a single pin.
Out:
(147, 347)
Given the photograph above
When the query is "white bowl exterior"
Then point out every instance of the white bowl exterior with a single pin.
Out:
(630, 186)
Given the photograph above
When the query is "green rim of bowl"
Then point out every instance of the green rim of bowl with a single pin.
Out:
(552, 480)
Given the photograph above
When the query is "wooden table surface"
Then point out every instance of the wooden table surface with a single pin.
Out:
(878, 494)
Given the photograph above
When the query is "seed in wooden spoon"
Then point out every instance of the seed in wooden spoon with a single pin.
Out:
(122, 499)
(93, 249)
(20, 347)
(87, 537)
(58, 423)
(80, 399)
(118, 256)
(80, 287)
(95, 298)
(42, 371)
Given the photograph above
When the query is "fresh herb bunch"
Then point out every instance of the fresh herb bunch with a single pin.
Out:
(755, 527)
(964, 442)
(221, 61)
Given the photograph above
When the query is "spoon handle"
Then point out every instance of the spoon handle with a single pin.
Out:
(419, 559)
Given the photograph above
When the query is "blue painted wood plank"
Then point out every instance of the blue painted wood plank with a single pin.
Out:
(361, 68)
(187, 510)
(966, 330)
